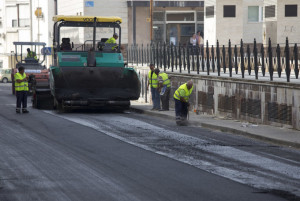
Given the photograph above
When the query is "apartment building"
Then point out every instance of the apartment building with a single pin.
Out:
(249, 19)
(24, 20)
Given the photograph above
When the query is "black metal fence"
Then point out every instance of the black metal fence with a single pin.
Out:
(240, 59)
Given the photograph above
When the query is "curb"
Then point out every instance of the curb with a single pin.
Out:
(222, 129)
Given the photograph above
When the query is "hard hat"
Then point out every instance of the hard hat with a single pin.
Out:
(115, 34)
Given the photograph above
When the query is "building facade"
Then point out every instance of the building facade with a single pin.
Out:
(173, 21)
(24, 21)
(252, 19)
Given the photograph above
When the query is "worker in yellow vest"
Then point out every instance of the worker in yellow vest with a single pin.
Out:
(21, 88)
(164, 87)
(31, 54)
(113, 40)
(181, 97)
(153, 83)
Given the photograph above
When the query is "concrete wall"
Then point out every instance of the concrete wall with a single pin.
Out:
(229, 28)
(288, 26)
(259, 102)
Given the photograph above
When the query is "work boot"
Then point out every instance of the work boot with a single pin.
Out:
(18, 110)
(24, 110)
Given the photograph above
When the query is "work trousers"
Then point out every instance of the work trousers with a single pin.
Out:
(165, 99)
(181, 109)
(155, 98)
(21, 99)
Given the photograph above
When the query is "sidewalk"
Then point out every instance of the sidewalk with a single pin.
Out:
(277, 135)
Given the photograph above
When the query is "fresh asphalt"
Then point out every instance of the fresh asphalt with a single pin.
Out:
(106, 155)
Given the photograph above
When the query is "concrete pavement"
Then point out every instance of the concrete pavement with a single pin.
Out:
(277, 135)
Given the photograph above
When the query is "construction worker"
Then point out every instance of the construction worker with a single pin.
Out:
(31, 54)
(181, 97)
(21, 88)
(113, 40)
(153, 83)
(164, 87)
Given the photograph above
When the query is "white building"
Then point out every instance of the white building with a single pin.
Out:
(249, 19)
(174, 21)
(24, 21)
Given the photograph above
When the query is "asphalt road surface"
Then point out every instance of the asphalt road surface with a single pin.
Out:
(111, 156)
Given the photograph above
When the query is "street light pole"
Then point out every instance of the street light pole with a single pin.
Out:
(151, 20)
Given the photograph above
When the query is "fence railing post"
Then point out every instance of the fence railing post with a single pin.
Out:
(172, 58)
(207, 58)
(236, 60)
(224, 59)
(147, 54)
(230, 59)
(180, 59)
(255, 60)
(157, 56)
(278, 55)
(193, 57)
(263, 67)
(184, 58)
(176, 56)
(271, 69)
(146, 80)
(142, 54)
(218, 58)
(169, 57)
(242, 59)
(188, 59)
(296, 61)
(202, 58)
(198, 58)
(137, 55)
(213, 58)
(161, 55)
(249, 59)
(287, 60)
(165, 57)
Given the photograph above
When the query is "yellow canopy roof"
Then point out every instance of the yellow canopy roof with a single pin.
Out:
(76, 18)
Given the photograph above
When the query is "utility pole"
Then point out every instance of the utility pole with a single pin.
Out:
(151, 20)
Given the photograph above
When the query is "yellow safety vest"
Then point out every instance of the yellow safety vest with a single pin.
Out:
(165, 79)
(22, 86)
(31, 54)
(112, 40)
(183, 90)
(154, 81)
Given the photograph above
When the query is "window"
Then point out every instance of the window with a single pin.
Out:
(291, 10)
(229, 11)
(180, 16)
(200, 16)
(14, 23)
(159, 16)
(210, 11)
(24, 22)
(270, 11)
(158, 32)
(255, 14)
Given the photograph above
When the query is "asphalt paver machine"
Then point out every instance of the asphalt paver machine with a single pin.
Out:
(92, 74)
